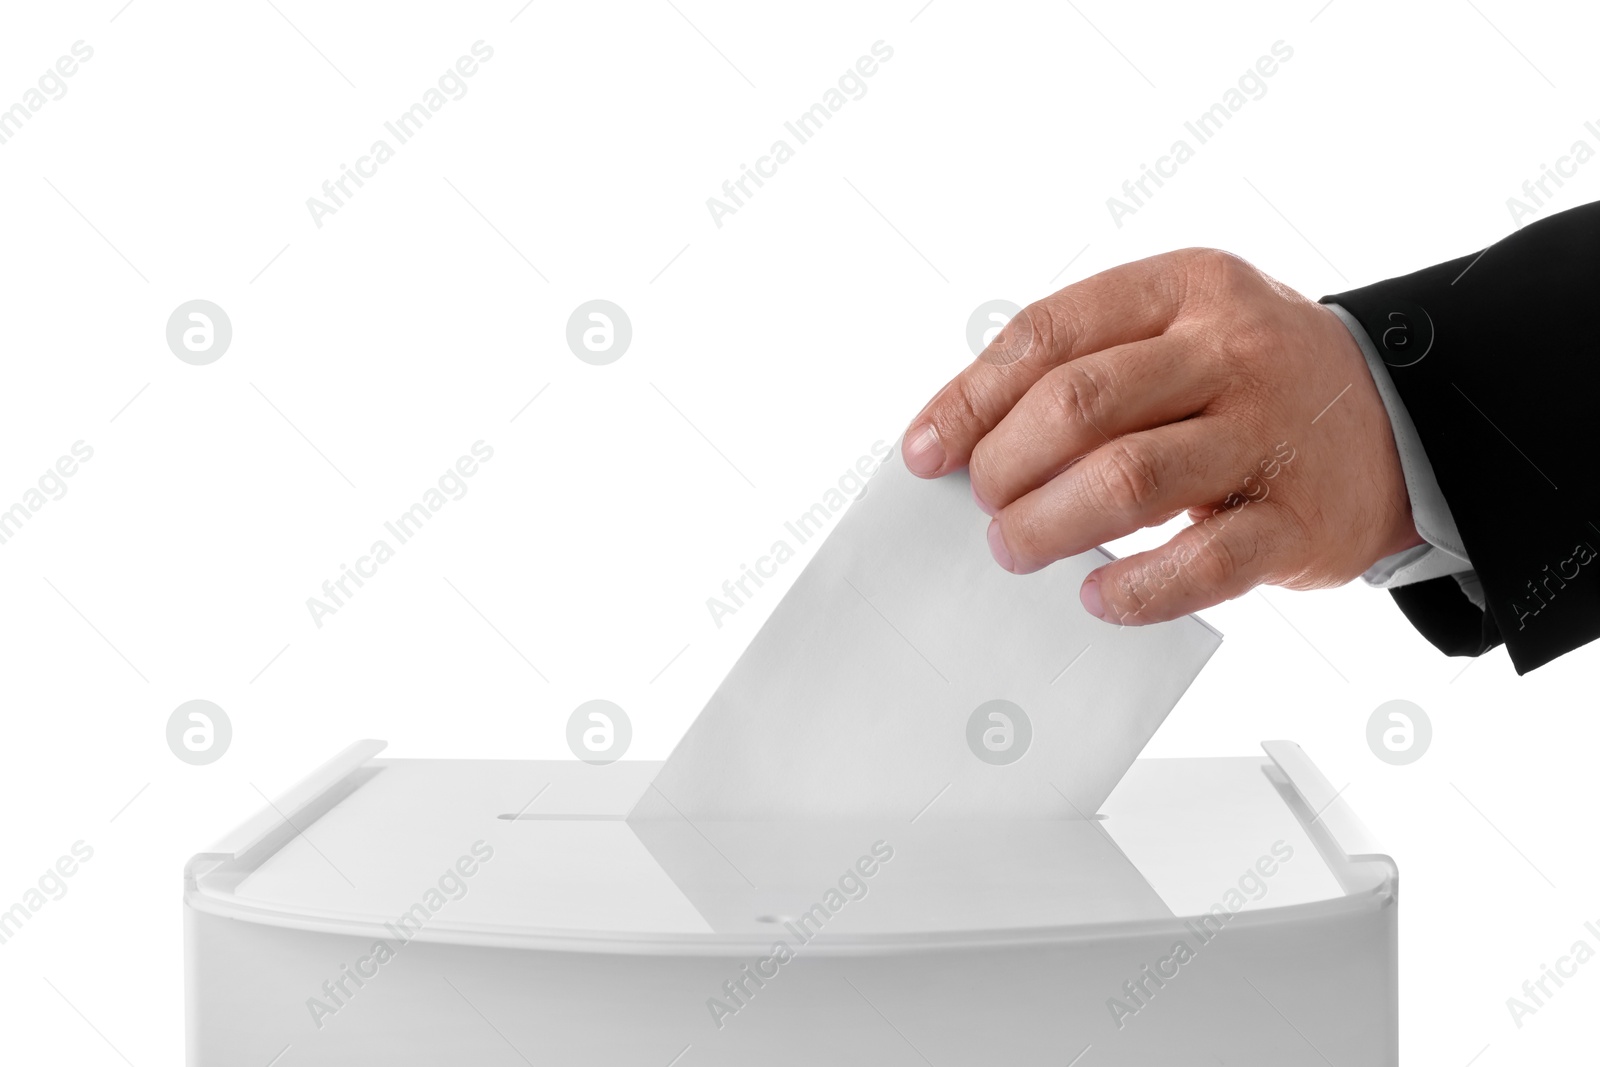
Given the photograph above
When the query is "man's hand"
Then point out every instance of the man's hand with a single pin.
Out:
(1185, 382)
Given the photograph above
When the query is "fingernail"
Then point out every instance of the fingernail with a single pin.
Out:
(997, 548)
(985, 508)
(1089, 593)
(924, 452)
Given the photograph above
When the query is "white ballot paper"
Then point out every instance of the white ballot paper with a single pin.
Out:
(906, 675)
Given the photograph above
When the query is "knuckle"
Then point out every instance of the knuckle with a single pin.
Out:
(962, 408)
(1248, 333)
(1200, 256)
(1219, 273)
(1025, 335)
(1215, 562)
(1053, 323)
(1231, 332)
(1122, 480)
(1219, 560)
(1075, 394)
(1256, 331)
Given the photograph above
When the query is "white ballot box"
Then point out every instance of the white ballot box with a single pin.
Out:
(496, 912)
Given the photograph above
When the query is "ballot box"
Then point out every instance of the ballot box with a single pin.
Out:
(488, 912)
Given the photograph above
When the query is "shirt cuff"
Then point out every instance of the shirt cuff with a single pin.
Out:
(1443, 554)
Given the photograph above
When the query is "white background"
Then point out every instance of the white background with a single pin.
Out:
(767, 357)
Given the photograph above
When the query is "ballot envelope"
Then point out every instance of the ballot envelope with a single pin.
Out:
(422, 911)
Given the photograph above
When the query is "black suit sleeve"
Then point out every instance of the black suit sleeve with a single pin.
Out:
(1495, 357)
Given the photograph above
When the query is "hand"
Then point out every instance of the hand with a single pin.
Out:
(1185, 382)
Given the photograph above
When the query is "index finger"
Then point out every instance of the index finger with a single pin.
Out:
(1131, 302)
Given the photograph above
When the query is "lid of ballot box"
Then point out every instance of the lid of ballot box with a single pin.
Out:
(540, 854)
